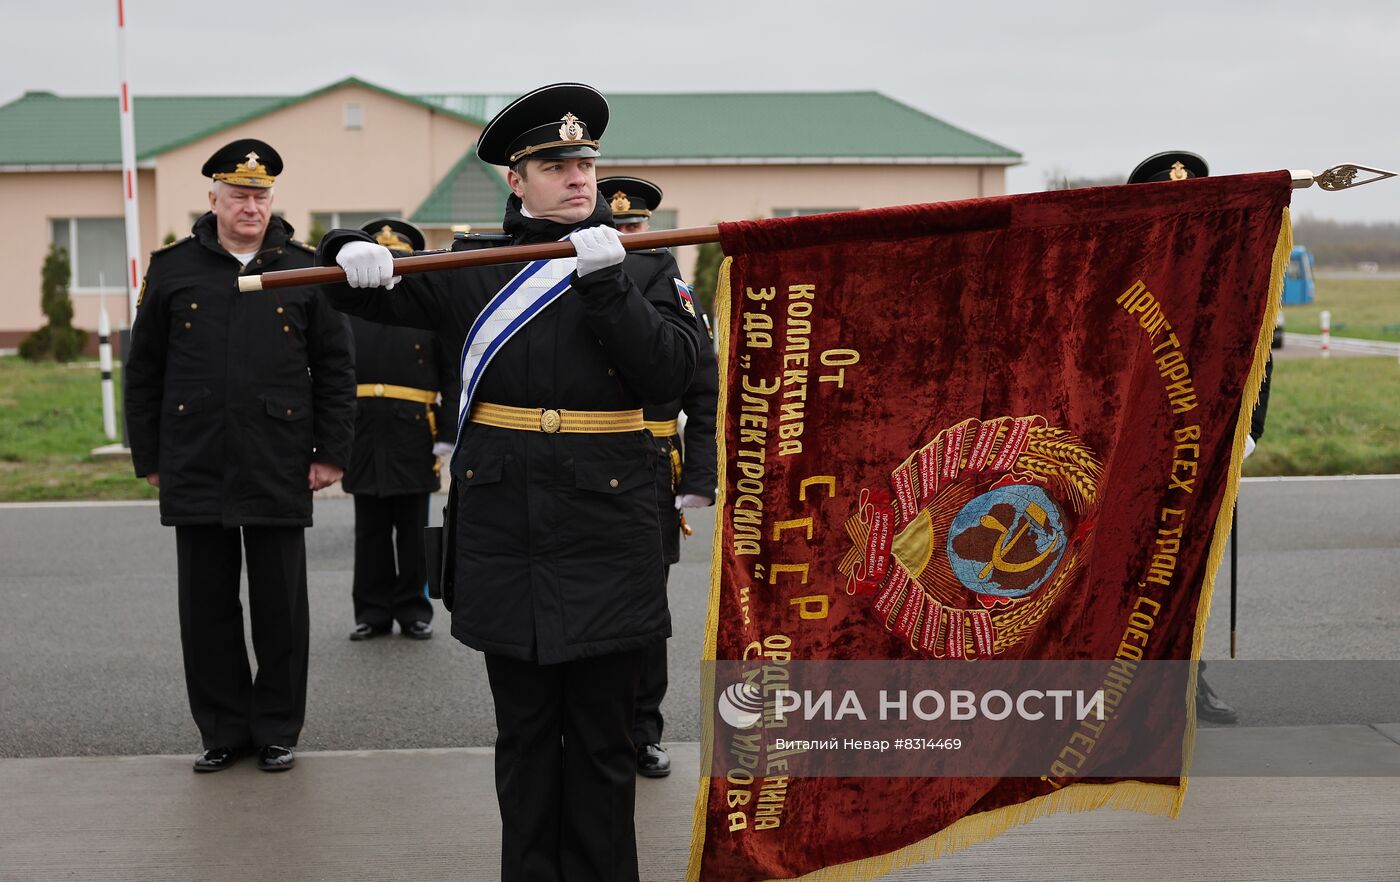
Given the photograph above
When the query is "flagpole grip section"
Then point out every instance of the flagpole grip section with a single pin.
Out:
(444, 260)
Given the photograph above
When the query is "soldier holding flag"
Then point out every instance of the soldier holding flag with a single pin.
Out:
(556, 564)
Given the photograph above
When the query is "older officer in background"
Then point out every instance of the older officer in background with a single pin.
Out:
(686, 473)
(239, 407)
(400, 430)
(557, 566)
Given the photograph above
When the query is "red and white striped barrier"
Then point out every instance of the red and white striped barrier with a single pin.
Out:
(128, 134)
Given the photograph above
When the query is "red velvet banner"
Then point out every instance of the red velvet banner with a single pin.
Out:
(1006, 428)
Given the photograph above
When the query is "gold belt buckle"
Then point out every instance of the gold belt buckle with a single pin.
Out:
(550, 421)
(378, 390)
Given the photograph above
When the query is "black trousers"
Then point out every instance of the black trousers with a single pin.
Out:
(566, 773)
(230, 707)
(390, 573)
(651, 689)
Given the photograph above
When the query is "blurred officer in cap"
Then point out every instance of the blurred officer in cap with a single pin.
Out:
(239, 406)
(1179, 165)
(555, 556)
(686, 473)
(1173, 165)
(400, 430)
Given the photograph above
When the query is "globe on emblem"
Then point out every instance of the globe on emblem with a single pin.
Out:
(1007, 542)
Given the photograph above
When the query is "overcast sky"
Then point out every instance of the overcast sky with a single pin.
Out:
(1083, 88)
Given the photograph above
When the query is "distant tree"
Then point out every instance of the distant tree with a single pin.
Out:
(706, 279)
(315, 234)
(169, 238)
(1060, 179)
(57, 340)
(1342, 245)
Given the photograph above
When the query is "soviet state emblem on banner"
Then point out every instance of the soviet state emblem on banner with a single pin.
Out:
(974, 537)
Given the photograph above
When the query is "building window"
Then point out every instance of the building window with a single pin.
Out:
(96, 249)
(800, 212)
(354, 115)
(325, 221)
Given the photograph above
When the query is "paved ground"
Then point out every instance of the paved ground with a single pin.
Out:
(94, 722)
(1298, 345)
(90, 653)
(426, 815)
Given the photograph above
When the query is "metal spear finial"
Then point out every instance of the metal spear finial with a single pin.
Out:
(1339, 177)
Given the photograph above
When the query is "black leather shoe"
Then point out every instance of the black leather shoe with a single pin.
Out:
(368, 632)
(652, 761)
(215, 759)
(418, 631)
(1211, 707)
(275, 758)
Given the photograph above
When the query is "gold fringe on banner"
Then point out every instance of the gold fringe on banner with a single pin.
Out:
(707, 648)
(1283, 252)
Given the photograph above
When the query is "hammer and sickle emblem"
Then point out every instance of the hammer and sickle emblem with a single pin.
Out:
(1004, 545)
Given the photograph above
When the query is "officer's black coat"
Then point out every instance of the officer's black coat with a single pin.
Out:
(231, 396)
(697, 451)
(1261, 408)
(558, 550)
(393, 452)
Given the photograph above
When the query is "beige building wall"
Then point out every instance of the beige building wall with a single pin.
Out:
(707, 194)
(390, 164)
(31, 201)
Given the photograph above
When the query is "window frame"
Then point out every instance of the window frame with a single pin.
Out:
(74, 257)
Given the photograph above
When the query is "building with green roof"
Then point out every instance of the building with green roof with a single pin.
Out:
(355, 149)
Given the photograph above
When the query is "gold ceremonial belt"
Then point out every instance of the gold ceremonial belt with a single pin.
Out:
(663, 428)
(537, 419)
(402, 393)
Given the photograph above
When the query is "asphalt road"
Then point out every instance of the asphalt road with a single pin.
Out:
(90, 653)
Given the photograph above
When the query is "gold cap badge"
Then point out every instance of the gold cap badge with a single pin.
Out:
(620, 202)
(571, 130)
(390, 239)
(1178, 172)
(248, 173)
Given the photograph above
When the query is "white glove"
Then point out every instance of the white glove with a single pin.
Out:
(1249, 445)
(691, 500)
(367, 265)
(598, 248)
(442, 449)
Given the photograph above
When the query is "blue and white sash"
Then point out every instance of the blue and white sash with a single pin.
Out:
(536, 286)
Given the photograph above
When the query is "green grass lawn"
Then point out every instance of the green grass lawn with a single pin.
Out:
(1367, 308)
(50, 419)
(1335, 417)
(1340, 416)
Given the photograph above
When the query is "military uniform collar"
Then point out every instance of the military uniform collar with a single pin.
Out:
(523, 229)
(279, 232)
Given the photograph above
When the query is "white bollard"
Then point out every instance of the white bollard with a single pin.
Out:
(104, 355)
(1326, 334)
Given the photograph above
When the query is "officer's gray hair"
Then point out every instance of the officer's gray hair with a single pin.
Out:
(216, 186)
(519, 167)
